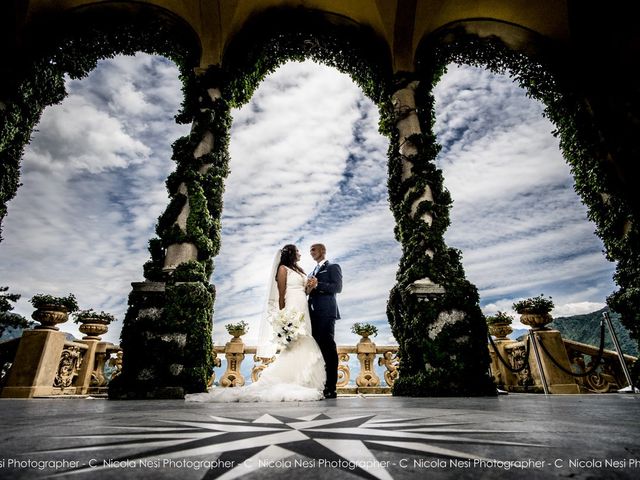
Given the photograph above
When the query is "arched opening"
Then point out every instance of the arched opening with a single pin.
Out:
(93, 186)
(515, 215)
(270, 41)
(71, 44)
(534, 65)
(307, 165)
(93, 33)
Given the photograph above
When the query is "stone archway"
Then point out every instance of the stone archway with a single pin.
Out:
(70, 43)
(82, 37)
(431, 291)
(177, 276)
(543, 71)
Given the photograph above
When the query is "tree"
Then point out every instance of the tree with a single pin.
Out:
(9, 319)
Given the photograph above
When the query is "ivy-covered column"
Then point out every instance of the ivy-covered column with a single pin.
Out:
(605, 179)
(166, 336)
(433, 310)
(20, 108)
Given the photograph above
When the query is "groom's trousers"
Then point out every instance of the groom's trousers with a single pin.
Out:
(324, 331)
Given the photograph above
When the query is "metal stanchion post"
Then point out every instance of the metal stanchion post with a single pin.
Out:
(614, 337)
(534, 344)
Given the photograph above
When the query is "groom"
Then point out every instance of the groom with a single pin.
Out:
(324, 282)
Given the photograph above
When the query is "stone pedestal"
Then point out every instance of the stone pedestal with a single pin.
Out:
(35, 365)
(557, 380)
(86, 368)
(145, 368)
(234, 352)
(367, 355)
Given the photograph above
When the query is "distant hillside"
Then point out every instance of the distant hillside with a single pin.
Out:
(586, 329)
(11, 333)
(518, 333)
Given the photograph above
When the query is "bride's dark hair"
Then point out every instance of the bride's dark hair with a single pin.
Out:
(288, 258)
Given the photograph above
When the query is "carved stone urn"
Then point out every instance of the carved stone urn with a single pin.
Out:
(49, 316)
(537, 321)
(500, 330)
(236, 333)
(93, 328)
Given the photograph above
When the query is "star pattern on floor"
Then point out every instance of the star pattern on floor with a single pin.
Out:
(346, 443)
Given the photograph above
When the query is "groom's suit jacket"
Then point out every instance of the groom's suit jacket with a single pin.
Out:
(322, 299)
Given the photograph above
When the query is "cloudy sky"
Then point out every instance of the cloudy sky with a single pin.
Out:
(307, 165)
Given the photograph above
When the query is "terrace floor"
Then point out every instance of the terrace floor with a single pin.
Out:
(511, 436)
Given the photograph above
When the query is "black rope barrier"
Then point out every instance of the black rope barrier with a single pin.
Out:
(590, 370)
(506, 364)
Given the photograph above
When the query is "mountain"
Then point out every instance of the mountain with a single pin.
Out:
(517, 333)
(11, 333)
(586, 329)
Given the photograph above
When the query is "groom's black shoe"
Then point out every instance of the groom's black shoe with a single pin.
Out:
(329, 395)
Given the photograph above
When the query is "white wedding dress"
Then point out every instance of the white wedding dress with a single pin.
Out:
(297, 374)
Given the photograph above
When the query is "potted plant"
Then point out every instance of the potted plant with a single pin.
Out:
(52, 310)
(535, 311)
(92, 323)
(364, 329)
(500, 325)
(237, 329)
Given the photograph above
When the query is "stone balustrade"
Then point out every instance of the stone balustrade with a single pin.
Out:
(44, 363)
(564, 363)
(366, 378)
(609, 377)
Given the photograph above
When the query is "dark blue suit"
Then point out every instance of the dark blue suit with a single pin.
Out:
(324, 312)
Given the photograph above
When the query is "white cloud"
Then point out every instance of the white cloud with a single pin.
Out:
(76, 136)
(579, 308)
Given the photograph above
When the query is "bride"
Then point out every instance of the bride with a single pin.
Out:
(298, 373)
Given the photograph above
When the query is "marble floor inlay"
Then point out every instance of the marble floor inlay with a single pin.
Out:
(233, 447)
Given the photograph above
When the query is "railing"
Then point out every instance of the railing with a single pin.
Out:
(558, 366)
(43, 363)
(366, 379)
(608, 376)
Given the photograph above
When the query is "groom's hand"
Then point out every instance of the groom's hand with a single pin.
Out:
(312, 283)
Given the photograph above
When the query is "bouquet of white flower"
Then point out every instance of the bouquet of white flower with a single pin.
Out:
(288, 325)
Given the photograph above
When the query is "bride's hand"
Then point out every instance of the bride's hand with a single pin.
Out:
(311, 283)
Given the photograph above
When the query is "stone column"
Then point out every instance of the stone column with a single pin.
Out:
(83, 381)
(166, 337)
(607, 179)
(182, 252)
(408, 127)
(434, 312)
